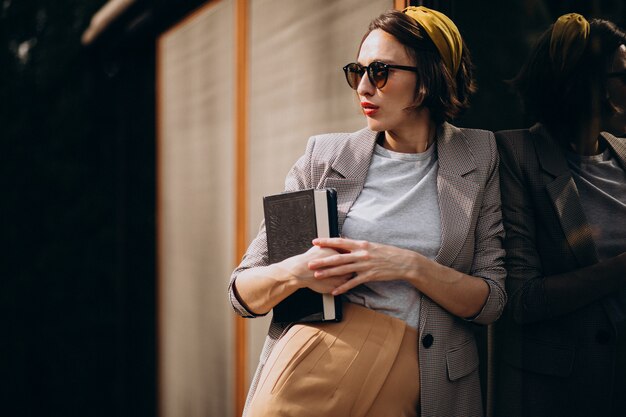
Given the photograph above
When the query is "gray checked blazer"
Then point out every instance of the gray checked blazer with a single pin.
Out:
(472, 234)
(553, 363)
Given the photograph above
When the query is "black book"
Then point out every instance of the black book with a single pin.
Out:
(292, 220)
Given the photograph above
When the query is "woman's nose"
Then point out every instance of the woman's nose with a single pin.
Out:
(365, 87)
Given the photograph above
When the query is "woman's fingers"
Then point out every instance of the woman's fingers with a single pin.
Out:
(327, 286)
(340, 244)
(332, 271)
(353, 282)
(338, 260)
(351, 258)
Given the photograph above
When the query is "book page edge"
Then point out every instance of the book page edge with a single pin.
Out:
(323, 230)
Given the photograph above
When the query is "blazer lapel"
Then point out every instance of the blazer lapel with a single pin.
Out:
(618, 146)
(564, 196)
(457, 192)
(352, 163)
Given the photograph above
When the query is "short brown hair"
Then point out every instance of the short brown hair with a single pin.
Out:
(445, 95)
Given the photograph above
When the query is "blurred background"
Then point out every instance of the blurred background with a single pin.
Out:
(137, 139)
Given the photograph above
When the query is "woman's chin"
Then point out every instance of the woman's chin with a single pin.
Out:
(374, 125)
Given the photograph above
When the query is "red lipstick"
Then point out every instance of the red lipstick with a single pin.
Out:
(369, 108)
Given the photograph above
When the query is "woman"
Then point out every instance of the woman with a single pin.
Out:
(419, 211)
(561, 342)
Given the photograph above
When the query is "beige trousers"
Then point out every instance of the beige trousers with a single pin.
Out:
(364, 366)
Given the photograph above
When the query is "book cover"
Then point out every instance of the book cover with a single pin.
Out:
(292, 220)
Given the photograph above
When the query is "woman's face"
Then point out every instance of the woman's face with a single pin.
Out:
(386, 108)
(616, 90)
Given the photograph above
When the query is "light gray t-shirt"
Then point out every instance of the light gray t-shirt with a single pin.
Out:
(601, 183)
(398, 206)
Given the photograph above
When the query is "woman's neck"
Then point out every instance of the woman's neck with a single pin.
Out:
(414, 138)
(587, 141)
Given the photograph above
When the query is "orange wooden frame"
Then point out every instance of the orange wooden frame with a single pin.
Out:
(241, 181)
(400, 4)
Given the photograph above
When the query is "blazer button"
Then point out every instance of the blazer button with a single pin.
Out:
(603, 337)
(427, 341)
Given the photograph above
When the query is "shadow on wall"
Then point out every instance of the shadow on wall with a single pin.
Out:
(77, 267)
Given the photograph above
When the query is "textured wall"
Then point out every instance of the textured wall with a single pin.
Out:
(196, 214)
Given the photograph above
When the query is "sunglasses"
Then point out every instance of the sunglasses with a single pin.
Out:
(621, 75)
(377, 72)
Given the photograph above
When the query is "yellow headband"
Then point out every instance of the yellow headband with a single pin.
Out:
(443, 32)
(568, 40)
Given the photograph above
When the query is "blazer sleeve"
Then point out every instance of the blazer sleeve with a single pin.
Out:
(527, 299)
(533, 296)
(488, 254)
(298, 178)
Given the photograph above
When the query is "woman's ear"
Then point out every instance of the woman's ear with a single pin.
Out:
(418, 99)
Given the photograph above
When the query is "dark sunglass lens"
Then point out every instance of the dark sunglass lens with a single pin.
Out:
(354, 72)
(378, 73)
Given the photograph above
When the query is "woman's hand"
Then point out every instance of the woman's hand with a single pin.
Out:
(462, 295)
(261, 288)
(363, 261)
(298, 267)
